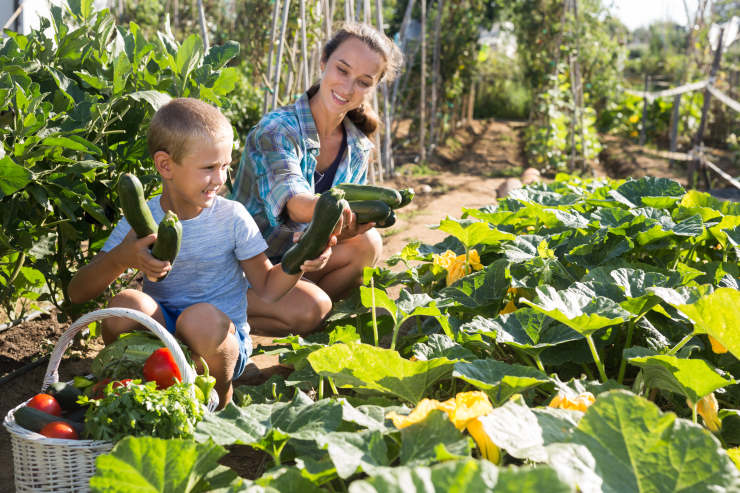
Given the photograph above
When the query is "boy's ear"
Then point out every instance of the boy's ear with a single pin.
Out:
(163, 163)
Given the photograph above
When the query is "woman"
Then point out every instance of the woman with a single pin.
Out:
(303, 149)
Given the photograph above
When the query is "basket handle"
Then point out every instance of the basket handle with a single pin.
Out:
(65, 340)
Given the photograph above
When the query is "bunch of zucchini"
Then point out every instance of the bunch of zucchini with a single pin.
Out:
(372, 203)
(138, 215)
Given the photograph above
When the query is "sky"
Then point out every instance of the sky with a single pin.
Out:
(637, 13)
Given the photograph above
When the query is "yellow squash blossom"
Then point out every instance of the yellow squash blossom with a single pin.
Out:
(509, 308)
(708, 409)
(734, 454)
(717, 348)
(463, 410)
(418, 414)
(455, 265)
(577, 403)
(488, 449)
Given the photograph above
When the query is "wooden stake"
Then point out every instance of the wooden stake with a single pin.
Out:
(387, 152)
(304, 47)
(435, 75)
(697, 164)
(203, 30)
(643, 120)
(422, 92)
(273, 32)
(279, 60)
(409, 60)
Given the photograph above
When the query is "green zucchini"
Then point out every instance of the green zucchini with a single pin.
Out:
(388, 221)
(370, 211)
(314, 240)
(354, 192)
(407, 195)
(66, 395)
(32, 419)
(133, 203)
(169, 236)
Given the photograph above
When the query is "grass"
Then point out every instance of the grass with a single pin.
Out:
(412, 169)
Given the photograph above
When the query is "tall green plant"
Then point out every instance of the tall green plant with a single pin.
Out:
(75, 105)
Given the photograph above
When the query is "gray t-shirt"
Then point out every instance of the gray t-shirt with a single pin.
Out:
(207, 268)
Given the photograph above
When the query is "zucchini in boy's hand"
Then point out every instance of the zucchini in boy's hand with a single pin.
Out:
(135, 209)
(353, 192)
(326, 215)
(169, 237)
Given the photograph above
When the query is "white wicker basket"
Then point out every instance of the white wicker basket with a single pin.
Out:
(44, 464)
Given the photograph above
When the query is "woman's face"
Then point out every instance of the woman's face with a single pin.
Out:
(350, 75)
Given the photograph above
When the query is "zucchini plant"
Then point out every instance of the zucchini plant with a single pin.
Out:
(76, 97)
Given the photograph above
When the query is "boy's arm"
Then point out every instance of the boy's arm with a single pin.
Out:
(105, 267)
(270, 281)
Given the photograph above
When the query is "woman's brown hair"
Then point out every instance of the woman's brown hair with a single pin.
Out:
(365, 117)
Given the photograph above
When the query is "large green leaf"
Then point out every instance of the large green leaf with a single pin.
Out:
(469, 476)
(692, 378)
(498, 379)
(367, 367)
(625, 443)
(717, 314)
(471, 233)
(478, 292)
(301, 419)
(524, 432)
(580, 312)
(13, 177)
(649, 191)
(149, 465)
(431, 440)
(531, 331)
(355, 452)
(441, 346)
(379, 299)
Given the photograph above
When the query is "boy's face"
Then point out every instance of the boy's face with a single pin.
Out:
(194, 182)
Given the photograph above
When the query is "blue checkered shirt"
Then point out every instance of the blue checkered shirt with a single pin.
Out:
(279, 161)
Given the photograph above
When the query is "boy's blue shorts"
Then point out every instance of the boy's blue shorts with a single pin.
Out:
(245, 343)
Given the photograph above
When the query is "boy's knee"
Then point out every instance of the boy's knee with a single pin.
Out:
(310, 318)
(372, 246)
(112, 327)
(203, 327)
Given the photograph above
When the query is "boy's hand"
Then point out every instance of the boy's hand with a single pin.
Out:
(137, 254)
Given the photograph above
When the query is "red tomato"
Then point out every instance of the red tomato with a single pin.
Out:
(59, 429)
(160, 367)
(46, 403)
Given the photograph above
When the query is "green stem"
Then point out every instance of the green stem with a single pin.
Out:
(538, 362)
(396, 328)
(627, 344)
(321, 387)
(693, 413)
(375, 320)
(597, 360)
(681, 344)
(331, 384)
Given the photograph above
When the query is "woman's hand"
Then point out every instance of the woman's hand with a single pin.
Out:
(347, 227)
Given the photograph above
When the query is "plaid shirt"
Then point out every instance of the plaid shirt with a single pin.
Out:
(279, 161)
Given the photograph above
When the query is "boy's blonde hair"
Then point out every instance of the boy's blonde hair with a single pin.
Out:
(178, 123)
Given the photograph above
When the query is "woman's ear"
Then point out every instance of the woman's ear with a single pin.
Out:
(163, 163)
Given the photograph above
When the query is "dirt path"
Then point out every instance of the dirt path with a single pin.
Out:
(467, 172)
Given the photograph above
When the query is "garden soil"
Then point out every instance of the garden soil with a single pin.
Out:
(471, 169)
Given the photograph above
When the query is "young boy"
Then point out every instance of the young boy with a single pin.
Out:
(203, 299)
